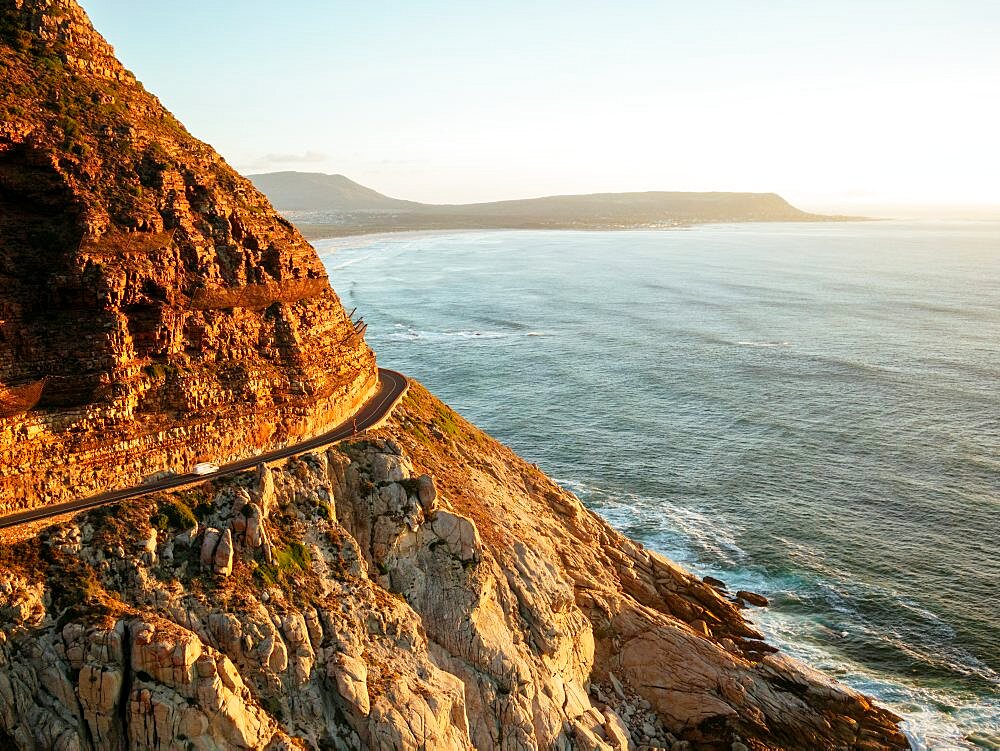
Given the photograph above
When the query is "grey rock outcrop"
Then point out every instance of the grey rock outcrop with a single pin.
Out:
(337, 602)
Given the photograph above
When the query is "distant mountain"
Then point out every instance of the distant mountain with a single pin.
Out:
(330, 205)
(652, 207)
(315, 191)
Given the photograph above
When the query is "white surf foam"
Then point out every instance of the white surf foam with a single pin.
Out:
(934, 719)
(764, 344)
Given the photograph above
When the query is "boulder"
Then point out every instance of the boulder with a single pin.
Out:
(248, 526)
(616, 732)
(426, 492)
(587, 740)
(222, 560)
(617, 686)
(389, 468)
(753, 598)
(264, 488)
(701, 627)
(351, 676)
(459, 534)
(208, 544)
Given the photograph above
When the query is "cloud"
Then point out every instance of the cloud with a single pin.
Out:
(277, 161)
(309, 157)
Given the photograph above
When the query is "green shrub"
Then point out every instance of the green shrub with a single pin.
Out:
(287, 562)
(173, 514)
(198, 501)
(445, 420)
(52, 64)
(296, 555)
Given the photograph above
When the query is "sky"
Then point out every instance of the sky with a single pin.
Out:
(834, 105)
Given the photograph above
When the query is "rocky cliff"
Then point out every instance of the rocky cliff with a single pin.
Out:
(154, 309)
(421, 589)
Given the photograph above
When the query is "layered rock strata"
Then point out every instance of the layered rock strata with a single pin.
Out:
(423, 589)
(154, 309)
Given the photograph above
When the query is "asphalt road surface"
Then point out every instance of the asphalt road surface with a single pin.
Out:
(392, 387)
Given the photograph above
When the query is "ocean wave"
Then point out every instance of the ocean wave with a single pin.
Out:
(810, 558)
(935, 719)
(411, 334)
(763, 344)
(702, 534)
(349, 262)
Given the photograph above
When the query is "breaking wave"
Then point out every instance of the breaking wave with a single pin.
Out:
(781, 407)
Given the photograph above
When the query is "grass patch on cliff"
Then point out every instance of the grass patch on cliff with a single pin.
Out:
(289, 561)
(444, 420)
(181, 510)
(173, 513)
(420, 434)
(296, 554)
(198, 500)
(73, 589)
(77, 592)
(23, 557)
(431, 422)
(120, 523)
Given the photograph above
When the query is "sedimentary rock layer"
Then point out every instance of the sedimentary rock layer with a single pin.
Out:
(154, 309)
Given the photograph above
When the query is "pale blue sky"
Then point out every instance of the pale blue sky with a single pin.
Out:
(829, 104)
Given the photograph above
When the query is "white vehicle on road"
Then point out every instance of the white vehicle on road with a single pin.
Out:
(205, 468)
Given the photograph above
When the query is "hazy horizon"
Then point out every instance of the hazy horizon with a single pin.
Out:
(969, 212)
(844, 108)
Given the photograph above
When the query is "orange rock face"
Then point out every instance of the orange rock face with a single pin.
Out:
(154, 309)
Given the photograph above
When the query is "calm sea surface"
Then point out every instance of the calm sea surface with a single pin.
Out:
(810, 411)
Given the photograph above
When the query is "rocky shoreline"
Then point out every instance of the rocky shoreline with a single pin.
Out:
(423, 588)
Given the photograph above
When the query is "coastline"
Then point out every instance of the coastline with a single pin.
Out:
(922, 700)
(327, 231)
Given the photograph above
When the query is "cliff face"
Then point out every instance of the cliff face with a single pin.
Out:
(422, 589)
(154, 309)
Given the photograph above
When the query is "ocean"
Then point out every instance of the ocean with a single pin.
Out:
(810, 411)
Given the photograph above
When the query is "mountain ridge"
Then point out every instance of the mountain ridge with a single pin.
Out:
(317, 191)
(327, 205)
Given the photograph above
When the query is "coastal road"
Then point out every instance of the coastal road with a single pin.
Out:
(392, 388)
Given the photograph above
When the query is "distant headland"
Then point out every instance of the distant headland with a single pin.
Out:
(324, 205)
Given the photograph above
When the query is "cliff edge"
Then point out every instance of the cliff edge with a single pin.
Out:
(154, 310)
(422, 589)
